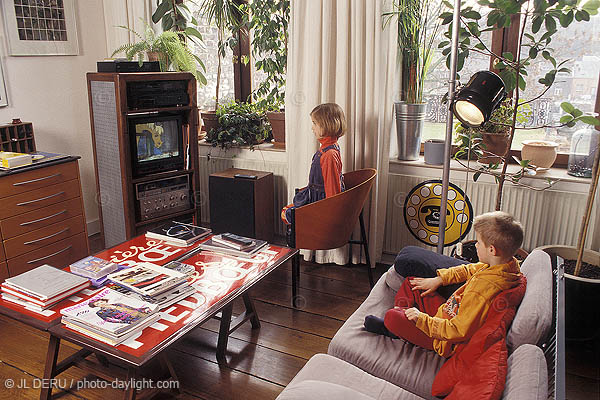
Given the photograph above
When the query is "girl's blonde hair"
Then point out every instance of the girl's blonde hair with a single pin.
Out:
(331, 118)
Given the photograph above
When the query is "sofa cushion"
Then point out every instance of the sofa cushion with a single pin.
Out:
(527, 377)
(393, 360)
(478, 367)
(326, 377)
(534, 316)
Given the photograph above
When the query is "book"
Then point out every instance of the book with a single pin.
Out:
(147, 279)
(37, 157)
(10, 159)
(164, 299)
(212, 245)
(45, 282)
(234, 241)
(110, 312)
(178, 233)
(93, 267)
(12, 291)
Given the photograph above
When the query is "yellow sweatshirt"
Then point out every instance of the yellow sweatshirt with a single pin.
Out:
(465, 311)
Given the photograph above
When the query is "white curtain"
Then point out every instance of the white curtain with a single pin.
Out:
(129, 13)
(338, 52)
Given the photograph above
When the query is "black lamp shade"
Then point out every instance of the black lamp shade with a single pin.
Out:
(474, 103)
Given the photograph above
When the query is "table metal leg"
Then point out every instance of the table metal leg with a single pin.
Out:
(50, 367)
(251, 311)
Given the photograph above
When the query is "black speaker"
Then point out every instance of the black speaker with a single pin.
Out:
(240, 205)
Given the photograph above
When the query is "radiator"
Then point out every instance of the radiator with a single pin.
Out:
(548, 217)
(209, 165)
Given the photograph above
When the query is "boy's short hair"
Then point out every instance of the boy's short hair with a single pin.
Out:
(331, 118)
(500, 230)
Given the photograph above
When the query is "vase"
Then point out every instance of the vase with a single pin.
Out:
(496, 144)
(584, 145)
(277, 121)
(409, 127)
(582, 295)
(540, 153)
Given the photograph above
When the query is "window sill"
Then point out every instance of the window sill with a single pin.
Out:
(458, 172)
(259, 152)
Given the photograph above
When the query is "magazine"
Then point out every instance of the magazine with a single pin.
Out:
(178, 233)
(93, 267)
(147, 279)
(187, 269)
(164, 299)
(212, 245)
(111, 312)
(113, 340)
(234, 241)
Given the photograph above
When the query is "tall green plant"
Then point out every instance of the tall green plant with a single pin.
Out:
(546, 17)
(417, 27)
(227, 16)
(269, 20)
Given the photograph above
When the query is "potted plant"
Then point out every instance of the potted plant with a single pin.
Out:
(227, 16)
(167, 47)
(240, 124)
(534, 41)
(417, 28)
(269, 19)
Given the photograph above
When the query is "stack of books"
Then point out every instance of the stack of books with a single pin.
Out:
(42, 287)
(110, 317)
(178, 234)
(93, 267)
(162, 286)
(10, 159)
(228, 243)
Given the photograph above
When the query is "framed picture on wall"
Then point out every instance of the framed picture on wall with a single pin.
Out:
(3, 98)
(40, 27)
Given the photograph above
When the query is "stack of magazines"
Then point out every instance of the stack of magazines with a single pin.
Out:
(110, 317)
(178, 234)
(96, 269)
(235, 245)
(42, 287)
(162, 286)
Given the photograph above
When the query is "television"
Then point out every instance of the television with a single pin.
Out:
(156, 143)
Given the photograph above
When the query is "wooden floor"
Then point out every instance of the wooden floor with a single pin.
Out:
(259, 363)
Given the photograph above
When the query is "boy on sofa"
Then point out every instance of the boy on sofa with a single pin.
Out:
(425, 318)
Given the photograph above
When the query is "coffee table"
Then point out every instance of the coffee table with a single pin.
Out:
(219, 280)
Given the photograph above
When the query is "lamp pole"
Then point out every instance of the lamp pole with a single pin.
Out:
(449, 123)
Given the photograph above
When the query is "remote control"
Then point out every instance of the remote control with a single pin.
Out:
(244, 176)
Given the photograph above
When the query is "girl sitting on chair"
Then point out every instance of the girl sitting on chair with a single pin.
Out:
(325, 177)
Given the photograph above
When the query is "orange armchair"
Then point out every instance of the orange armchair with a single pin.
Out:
(328, 223)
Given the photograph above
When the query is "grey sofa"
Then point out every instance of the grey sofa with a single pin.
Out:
(362, 365)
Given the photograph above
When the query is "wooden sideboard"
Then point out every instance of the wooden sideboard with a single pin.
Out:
(42, 219)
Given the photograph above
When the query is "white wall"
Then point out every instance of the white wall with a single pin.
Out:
(51, 92)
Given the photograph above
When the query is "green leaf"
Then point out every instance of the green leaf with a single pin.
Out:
(476, 176)
(191, 31)
(472, 14)
(565, 70)
(522, 83)
(566, 19)
(591, 7)
(533, 52)
(508, 55)
(550, 23)
(586, 119)
(567, 107)
(577, 113)
(443, 44)
(565, 118)
(480, 46)
(161, 10)
(537, 24)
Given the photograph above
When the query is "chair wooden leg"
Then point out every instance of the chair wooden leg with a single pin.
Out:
(295, 279)
(365, 243)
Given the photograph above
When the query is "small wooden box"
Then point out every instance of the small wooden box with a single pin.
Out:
(240, 205)
(17, 137)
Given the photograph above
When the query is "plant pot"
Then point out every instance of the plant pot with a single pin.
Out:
(277, 121)
(582, 295)
(495, 143)
(541, 153)
(433, 151)
(209, 120)
(409, 126)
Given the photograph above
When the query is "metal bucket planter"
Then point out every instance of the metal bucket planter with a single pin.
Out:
(409, 127)
(582, 296)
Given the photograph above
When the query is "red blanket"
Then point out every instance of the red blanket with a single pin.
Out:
(478, 367)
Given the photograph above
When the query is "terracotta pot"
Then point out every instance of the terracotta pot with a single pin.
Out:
(582, 295)
(541, 153)
(277, 121)
(209, 120)
(495, 143)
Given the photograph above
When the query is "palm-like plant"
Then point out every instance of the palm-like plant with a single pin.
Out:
(171, 49)
(417, 28)
(226, 15)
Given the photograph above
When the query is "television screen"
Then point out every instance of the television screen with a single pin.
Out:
(157, 140)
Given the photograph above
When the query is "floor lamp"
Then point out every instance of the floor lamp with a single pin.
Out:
(472, 104)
